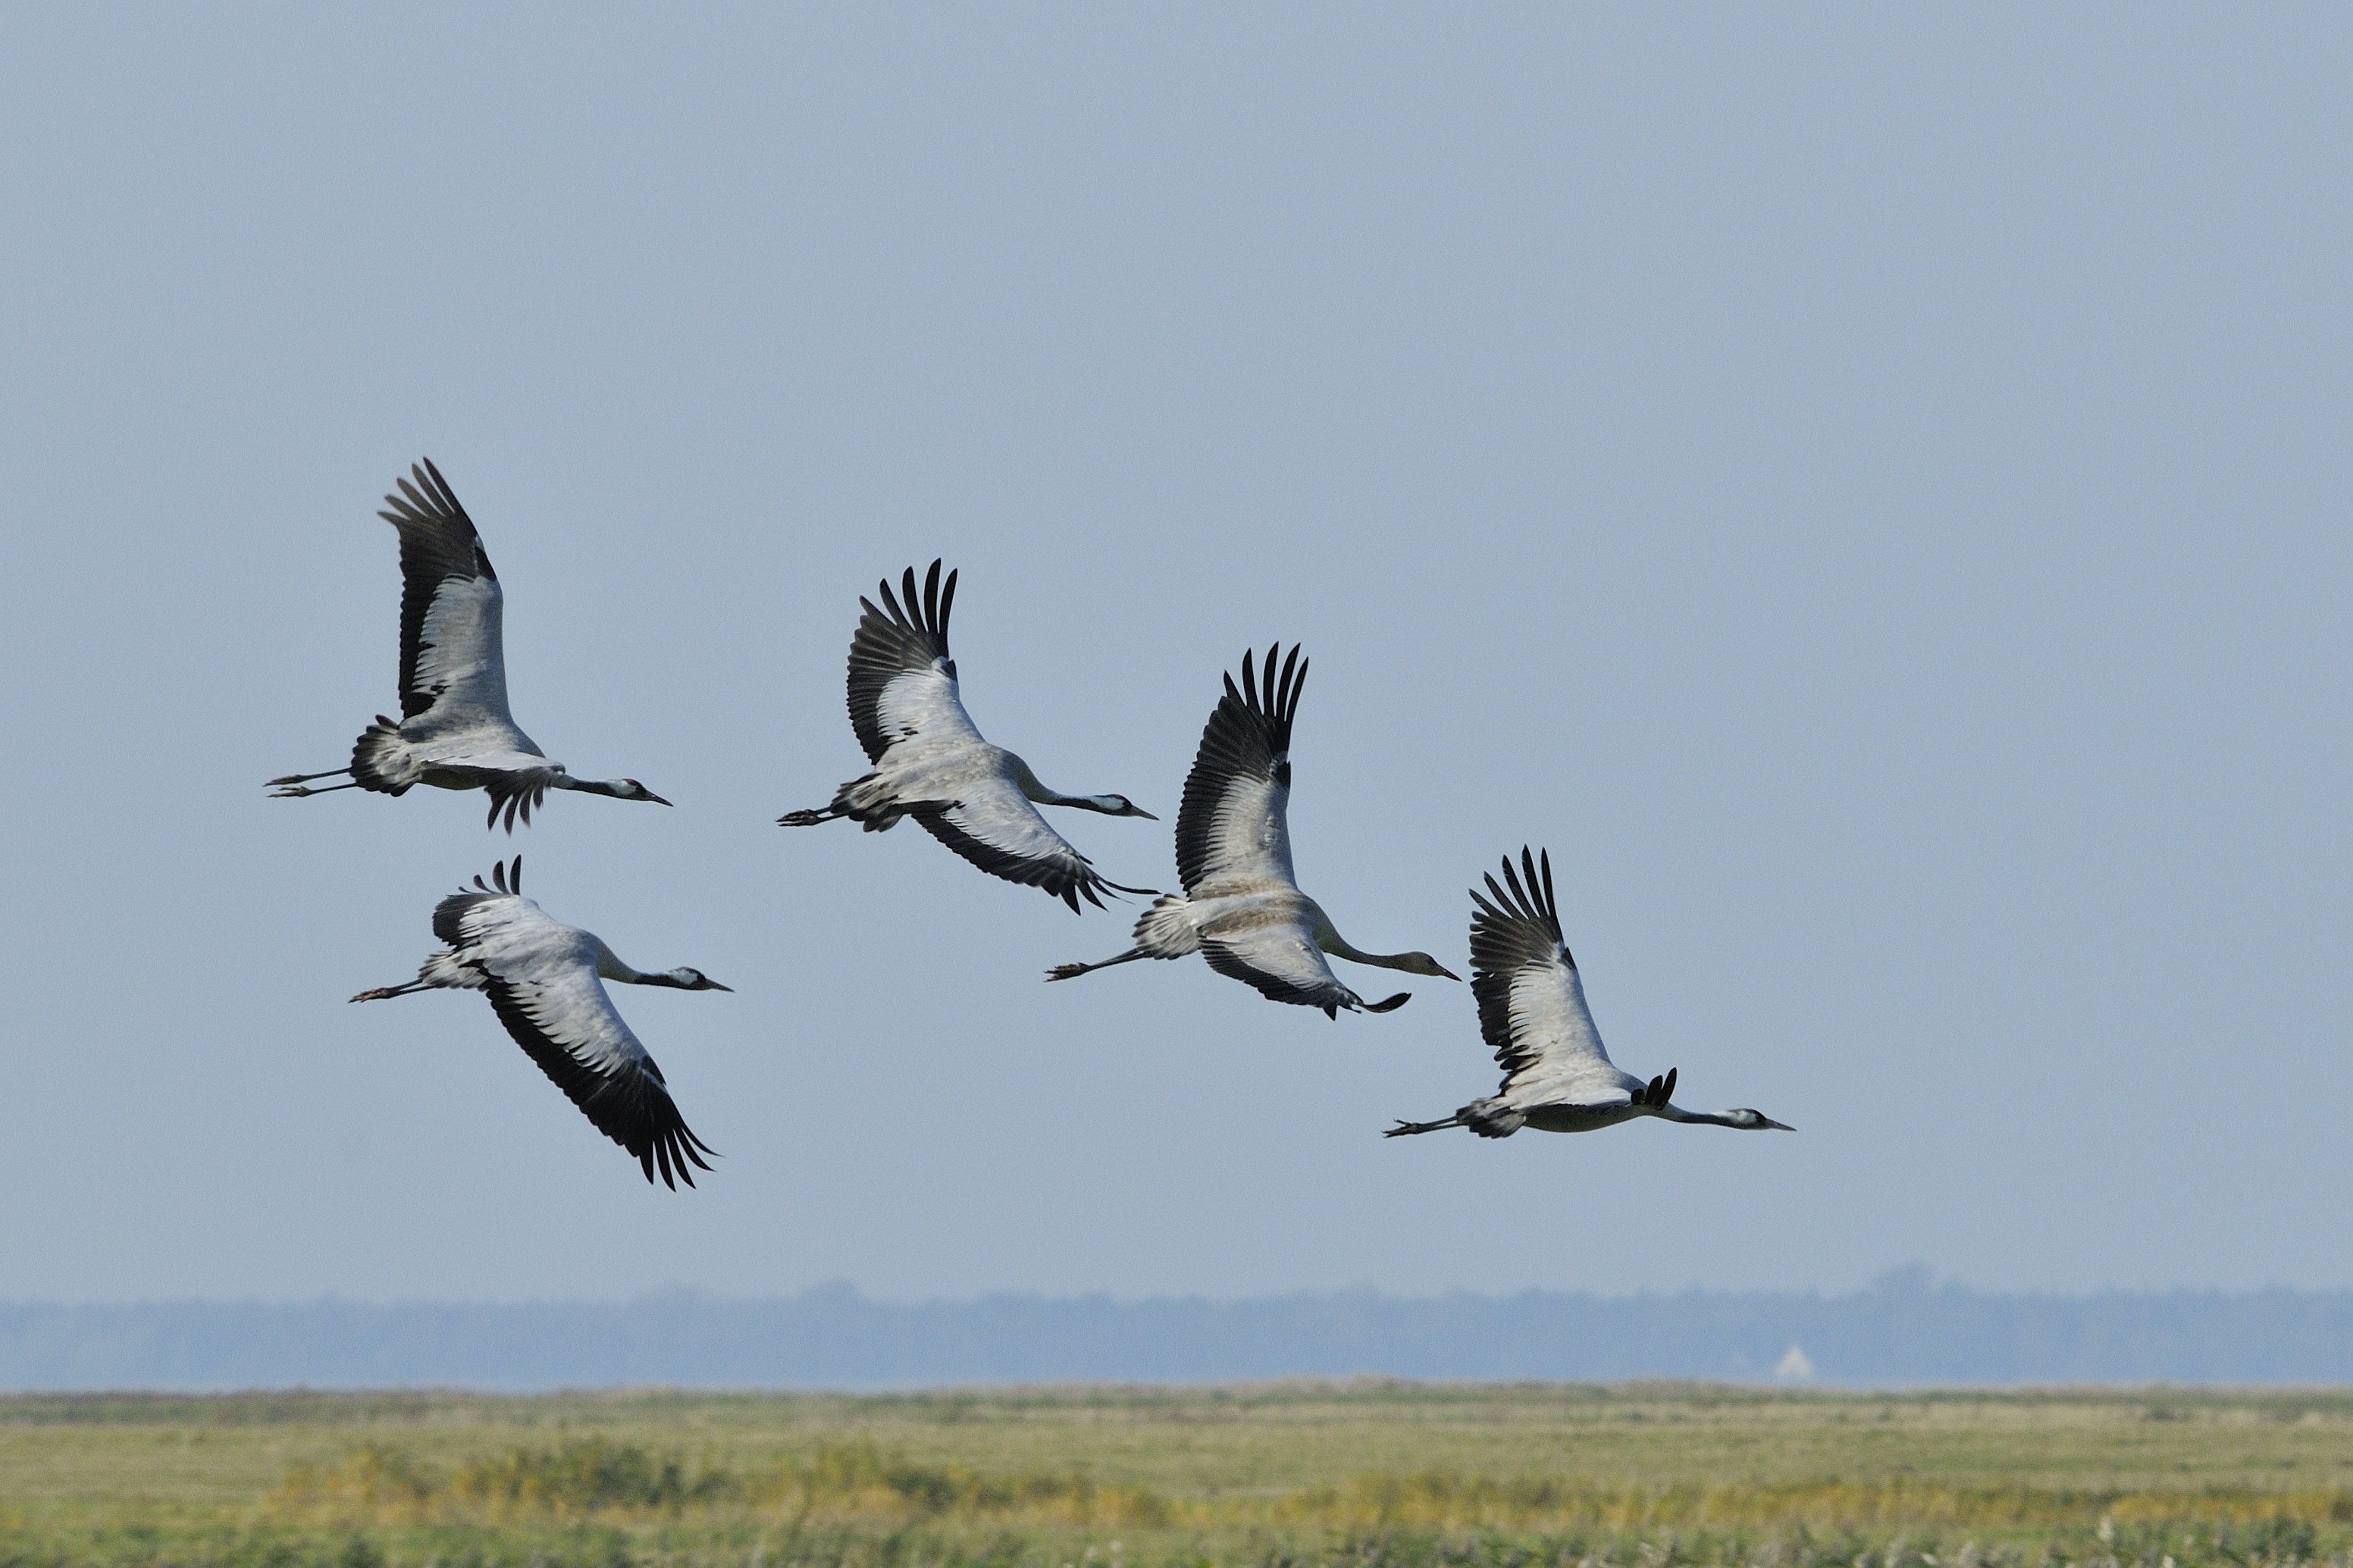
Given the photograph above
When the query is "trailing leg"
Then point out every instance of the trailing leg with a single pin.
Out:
(1072, 971)
(867, 801)
(1404, 1128)
(383, 992)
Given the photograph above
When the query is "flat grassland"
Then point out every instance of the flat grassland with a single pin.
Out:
(1370, 1474)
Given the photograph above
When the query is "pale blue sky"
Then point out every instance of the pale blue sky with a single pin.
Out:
(1866, 487)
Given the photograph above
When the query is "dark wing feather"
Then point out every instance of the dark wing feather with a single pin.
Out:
(453, 910)
(1532, 1006)
(631, 1105)
(1306, 987)
(1512, 930)
(1067, 873)
(1240, 781)
(895, 641)
(437, 541)
(449, 914)
(517, 793)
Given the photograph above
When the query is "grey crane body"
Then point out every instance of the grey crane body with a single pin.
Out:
(545, 982)
(1557, 1078)
(930, 761)
(455, 731)
(1242, 909)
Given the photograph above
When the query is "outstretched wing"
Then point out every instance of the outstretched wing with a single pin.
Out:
(1284, 965)
(543, 983)
(1233, 822)
(452, 654)
(1531, 1003)
(992, 825)
(902, 684)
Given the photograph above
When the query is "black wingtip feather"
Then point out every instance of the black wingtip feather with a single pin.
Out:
(1514, 925)
(1247, 735)
(907, 632)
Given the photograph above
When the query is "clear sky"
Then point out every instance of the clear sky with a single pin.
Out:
(1866, 488)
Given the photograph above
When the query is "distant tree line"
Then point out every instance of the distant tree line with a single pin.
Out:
(1905, 1329)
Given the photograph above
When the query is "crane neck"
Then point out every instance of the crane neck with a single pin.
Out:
(1329, 938)
(1037, 793)
(611, 967)
(1698, 1118)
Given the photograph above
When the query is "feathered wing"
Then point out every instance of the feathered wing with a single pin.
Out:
(1532, 1006)
(1234, 819)
(994, 825)
(902, 682)
(1284, 965)
(546, 991)
(452, 653)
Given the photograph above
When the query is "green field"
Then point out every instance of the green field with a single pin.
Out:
(1364, 1474)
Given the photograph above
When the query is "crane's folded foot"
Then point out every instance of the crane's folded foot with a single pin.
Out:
(381, 991)
(305, 778)
(296, 791)
(806, 818)
(1068, 971)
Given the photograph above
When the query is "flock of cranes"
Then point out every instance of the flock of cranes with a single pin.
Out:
(1242, 908)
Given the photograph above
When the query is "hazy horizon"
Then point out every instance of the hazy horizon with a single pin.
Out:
(1904, 1331)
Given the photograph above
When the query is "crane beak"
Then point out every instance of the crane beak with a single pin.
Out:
(1139, 811)
(731, 991)
(655, 799)
(1778, 1126)
(1447, 973)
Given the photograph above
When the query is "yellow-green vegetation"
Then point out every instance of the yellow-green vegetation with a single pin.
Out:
(1369, 1475)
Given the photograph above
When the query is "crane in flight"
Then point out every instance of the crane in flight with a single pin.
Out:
(931, 762)
(1556, 1076)
(545, 981)
(454, 731)
(1242, 908)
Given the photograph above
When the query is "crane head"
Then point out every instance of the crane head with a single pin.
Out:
(1422, 963)
(1755, 1121)
(631, 789)
(687, 979)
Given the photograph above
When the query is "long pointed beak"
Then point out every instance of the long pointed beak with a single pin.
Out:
(1447, 973)
(1145, 815)
(655, 799)
(1778, 1126)
(731, 990)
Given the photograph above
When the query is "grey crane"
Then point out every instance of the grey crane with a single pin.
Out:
(931, 762)
(545, 981)
(1556, 1076)
(1242, 908)
(453, 732)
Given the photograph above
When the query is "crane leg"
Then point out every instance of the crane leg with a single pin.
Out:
(296, 791)
(1072, 971)
(1404, 1128)
(381, 991)
(306, 778)
(810, 818)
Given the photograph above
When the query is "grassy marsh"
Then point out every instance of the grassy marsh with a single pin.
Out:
(1367, 1474)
